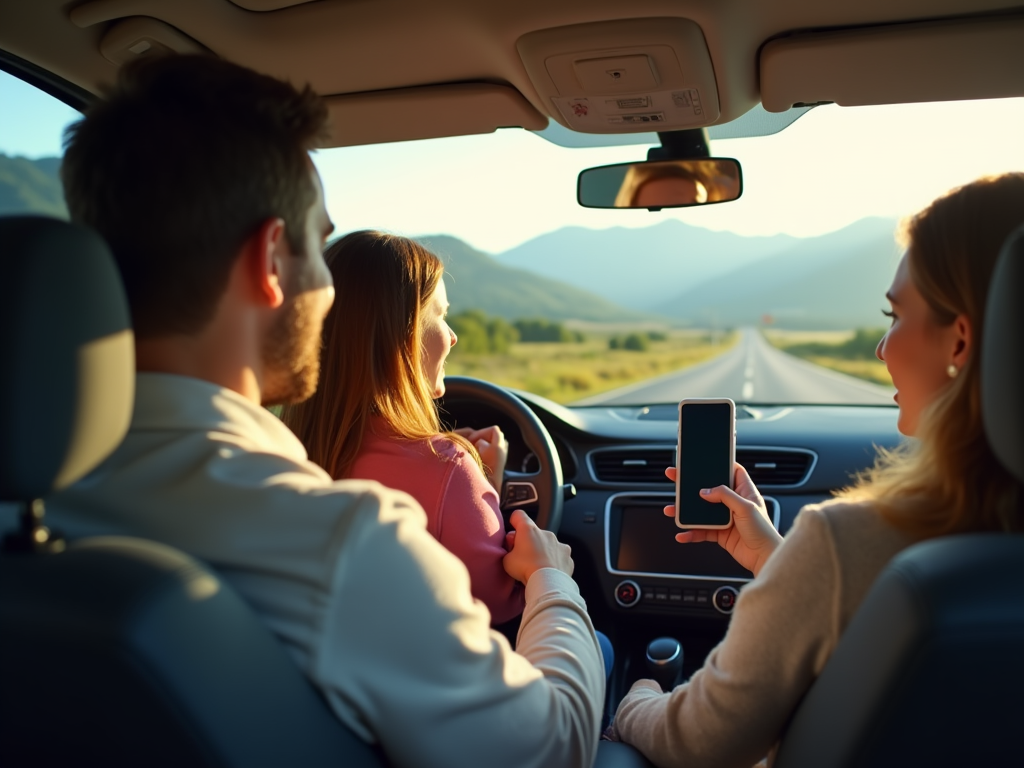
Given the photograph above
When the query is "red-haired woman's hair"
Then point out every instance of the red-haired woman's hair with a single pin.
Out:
(371, 360)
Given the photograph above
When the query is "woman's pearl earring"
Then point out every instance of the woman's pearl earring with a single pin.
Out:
(952, 371)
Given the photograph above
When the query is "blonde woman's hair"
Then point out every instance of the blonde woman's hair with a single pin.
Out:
(371, 363)
(949, 480)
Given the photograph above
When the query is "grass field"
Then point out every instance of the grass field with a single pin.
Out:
(831, 349)
(565, 372)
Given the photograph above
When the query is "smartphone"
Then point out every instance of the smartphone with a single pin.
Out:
(705, 457)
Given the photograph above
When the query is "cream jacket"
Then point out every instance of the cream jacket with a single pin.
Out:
(372, 608)
(784, 627)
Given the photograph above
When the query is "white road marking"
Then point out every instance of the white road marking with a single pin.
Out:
(748, 389)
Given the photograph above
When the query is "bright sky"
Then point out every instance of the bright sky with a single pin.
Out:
(832, 167)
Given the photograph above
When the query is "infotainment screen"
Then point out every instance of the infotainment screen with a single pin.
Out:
(646, 544)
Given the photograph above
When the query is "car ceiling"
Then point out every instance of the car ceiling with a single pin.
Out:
(372, 47)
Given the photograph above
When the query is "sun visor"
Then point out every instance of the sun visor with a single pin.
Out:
(630, 76)
(428, 112)
(980, 58)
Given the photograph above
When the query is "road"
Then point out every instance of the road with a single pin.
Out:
(752, 372)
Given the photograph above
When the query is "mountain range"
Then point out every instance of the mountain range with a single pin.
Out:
(835, 281)
(476, 280)
(700, 277)
(672, 271)
(31, 186)
(641, 268)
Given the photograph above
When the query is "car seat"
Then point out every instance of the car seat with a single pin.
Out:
(930, 670)
(117, 651)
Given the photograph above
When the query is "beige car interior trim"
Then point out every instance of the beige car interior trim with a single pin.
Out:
(358, 47)
(940, 61)
(626, 76)
(428, 113)
(140, 36)
(268, 5)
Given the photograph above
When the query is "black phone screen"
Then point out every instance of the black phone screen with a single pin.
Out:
(705, 460)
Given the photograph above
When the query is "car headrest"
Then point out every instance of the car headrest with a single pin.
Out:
(68, 385)
(1002, 357)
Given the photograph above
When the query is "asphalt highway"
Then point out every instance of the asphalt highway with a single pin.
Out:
(752, 372)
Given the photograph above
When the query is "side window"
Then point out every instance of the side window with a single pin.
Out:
(30, 149)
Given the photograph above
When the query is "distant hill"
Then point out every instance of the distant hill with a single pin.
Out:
(31, 186)
(835, 281)
(640, 268)
(477, 281)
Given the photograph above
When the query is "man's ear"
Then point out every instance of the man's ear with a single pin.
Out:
(261, 254)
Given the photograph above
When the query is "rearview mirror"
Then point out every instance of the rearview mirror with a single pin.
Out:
(661, 184)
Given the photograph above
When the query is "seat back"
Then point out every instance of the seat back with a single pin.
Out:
(117, 651)
(123, 652)
(930, 670)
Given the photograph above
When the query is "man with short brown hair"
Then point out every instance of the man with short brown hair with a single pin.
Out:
(197, 173)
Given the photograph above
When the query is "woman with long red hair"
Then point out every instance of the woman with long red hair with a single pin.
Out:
(373, 416)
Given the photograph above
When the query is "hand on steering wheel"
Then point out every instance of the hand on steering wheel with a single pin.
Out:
(518, 488)
(490, 443)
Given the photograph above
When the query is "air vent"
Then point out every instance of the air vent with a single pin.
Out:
(641, 465)
(768, 467)
(776, 467)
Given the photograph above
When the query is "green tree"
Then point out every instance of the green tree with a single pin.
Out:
(501, 335)
(471, 328)
(636, 342)
(863, 344)
(539, 329)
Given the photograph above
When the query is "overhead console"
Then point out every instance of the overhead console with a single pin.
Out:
(631, 76)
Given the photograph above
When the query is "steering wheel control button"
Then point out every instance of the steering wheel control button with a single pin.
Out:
(520, 493)
(724, 599)
(627, 594)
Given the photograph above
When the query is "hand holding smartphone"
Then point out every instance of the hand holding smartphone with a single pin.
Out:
(705, 457)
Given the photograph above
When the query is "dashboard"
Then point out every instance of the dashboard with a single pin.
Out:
(637, 581)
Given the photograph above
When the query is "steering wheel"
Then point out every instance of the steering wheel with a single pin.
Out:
(543, 487)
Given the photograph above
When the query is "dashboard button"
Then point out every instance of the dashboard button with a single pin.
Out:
(627, 594)
(724, 599)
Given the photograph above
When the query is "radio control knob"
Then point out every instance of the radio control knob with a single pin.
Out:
(627, 593)
(724, 599)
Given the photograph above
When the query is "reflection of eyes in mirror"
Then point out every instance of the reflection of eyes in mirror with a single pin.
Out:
(664, 184)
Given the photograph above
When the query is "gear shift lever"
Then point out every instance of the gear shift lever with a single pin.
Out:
(665, 662)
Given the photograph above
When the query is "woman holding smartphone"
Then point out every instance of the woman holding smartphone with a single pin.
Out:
(806, 588)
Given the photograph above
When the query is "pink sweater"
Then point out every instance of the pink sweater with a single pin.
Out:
(461, 506)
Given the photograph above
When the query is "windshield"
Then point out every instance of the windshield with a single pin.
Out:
(775, 298)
